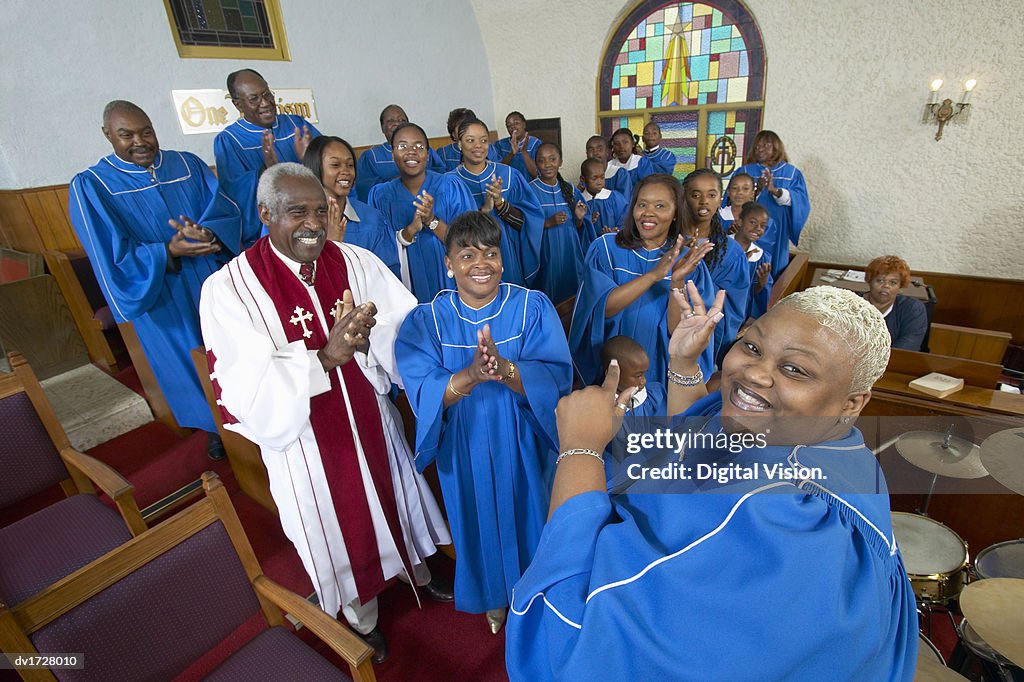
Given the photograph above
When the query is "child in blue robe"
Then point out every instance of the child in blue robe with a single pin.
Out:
(623, 157)
(726, 262)
(332, 159)
(519, 149)
(616, 178)
(648, 401)
(566, 218)
(627, 277)
(750, 226)
(663, 160)
(782, 191)
(377, 164)
(484, 367)
(511, 201)
(607, 207)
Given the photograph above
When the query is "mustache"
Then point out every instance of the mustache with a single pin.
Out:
(141, 148)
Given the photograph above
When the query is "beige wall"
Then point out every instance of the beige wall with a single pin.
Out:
(846, 84)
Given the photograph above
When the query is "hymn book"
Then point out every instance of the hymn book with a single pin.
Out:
(938, 385)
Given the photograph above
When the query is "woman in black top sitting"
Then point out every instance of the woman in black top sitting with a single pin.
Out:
(905, 317)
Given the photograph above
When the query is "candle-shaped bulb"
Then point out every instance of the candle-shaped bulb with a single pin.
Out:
(936, 84)
(969, 85)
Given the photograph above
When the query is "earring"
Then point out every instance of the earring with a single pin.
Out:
(451, 274)
(845, 420)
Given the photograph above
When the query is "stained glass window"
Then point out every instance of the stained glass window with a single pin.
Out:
(204, 25)
(697, 68)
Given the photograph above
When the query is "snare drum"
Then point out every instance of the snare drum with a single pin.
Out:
(935, 557)
(1001, 560)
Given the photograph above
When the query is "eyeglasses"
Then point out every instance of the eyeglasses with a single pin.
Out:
(415, 146)
(254, 100)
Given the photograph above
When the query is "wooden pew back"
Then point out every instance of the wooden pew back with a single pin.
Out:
(984, 345)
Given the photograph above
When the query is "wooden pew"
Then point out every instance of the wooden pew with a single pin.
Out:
(984, 345)
(792, 278)
(82, 313)
(243, 455)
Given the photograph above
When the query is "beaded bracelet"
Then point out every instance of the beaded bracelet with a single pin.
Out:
(580, 451)
(681, 380)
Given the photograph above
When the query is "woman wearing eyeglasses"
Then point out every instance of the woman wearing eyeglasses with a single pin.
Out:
(905, 317)
(420, 204)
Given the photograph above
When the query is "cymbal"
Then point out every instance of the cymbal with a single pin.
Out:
(995, 609)
(1002, 454)
(924, 450)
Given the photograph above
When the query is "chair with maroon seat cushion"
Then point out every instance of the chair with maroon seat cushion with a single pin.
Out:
(154, 606)
(35, 456)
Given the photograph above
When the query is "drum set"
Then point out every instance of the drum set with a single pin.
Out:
(989, 594)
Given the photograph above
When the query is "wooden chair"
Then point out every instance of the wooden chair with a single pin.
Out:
(34, 456)
(153, 607)
(983, 345)
(243, 455)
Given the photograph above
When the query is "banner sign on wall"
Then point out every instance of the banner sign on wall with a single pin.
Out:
(210, 111)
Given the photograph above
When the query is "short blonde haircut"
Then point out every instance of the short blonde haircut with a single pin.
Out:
(854, 320)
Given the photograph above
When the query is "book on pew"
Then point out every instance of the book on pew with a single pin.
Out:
(938, 385)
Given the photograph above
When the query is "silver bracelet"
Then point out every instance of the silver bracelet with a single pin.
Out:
(681, 380)
(580, 451)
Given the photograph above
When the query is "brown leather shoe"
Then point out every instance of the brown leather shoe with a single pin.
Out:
(375, 638)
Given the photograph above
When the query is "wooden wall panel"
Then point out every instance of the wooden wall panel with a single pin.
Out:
(49, 210)
(966, 300)
(17, 229)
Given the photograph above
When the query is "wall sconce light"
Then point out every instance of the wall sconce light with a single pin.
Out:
(943, 112)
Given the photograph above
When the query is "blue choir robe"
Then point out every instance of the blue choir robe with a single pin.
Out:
(120, 211)
(662, 159)
(618, 179)
(367, 227)
(520, 248)
(377, 165)
(607, 213)
(757, 302)
(561, 254)
(751, 580)
(503, 148)
(638, 167)
(607, 266)
(732, 274)
(451, 156)
(494, 450)
(422, 263)
(238, 150)
(789, 220)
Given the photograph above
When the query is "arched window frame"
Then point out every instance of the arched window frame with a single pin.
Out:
(638, 118)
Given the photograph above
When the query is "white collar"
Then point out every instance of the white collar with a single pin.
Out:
(638, 399)
(651, 151)
(754, 253)
(631, 163)
(350, 211)
(603, 194)
(292, 265)
(726, 213)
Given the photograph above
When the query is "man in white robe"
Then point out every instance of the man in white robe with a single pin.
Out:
(302, 363)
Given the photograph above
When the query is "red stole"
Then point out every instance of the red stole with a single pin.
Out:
(328, 413)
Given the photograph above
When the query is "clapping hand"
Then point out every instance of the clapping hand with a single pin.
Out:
(337, 223)
(696, 325)
(424, 205)
(493, 367)
(493, 198)
(350, 332)
(580, 211)
(190, 239)
(685, 267)
(767, 181)
(301, 142)
(267, 147)
(764, 270)
(664, 265)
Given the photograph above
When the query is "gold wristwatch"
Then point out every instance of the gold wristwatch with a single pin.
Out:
(511, 373)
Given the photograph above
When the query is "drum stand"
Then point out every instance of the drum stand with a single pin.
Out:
(923, 509)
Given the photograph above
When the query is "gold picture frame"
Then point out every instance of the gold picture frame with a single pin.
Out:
(277, 53)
